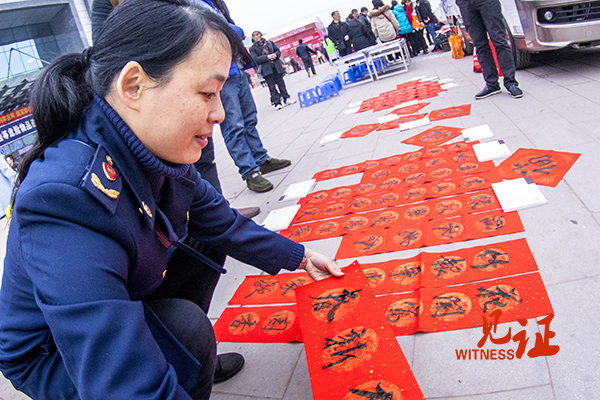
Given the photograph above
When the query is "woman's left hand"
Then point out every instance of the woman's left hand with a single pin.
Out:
(320, 267)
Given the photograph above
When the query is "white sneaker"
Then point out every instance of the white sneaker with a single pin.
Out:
(279, 106)
(291, 101)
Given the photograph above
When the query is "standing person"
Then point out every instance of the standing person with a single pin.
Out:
(267, 55)
(402, 18)
(324, 51)
(7, 179)
(338, 33)
(359, 34)
(418, 27)
(303, 51)
(320, 55)
(428, 18)
(483, 18)
(383, 22)
(90, 305)
(363, 18)
(332, 53)
(241, 117)
(10, 160)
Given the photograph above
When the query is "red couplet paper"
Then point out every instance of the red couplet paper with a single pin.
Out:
(351, 351)
(477, 263)
(276, 324)
(450, 112)
(459, 307)
(267, 289)
(545, 167)
(359, 131)
(434, 136)
(409, 109)
(394, 276)
(402, 120)
(402, 311)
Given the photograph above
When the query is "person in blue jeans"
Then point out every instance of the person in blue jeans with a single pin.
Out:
(241, 117)
(428, 18)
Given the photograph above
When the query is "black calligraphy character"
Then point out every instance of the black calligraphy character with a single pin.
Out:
(494, 223)
(366, 187)
(378, 394)
(389, 183)
(381, 174)
(412, 193)
(449, 230)
(497, 297)
(262, 286)
(348, 170)
(329, 174)
(345, 353)
(308, 213)
(448, 305)
(543, 164)
(487, 330)
(394, 314)
(387, 198)
(467, 167)
(355, 223)
(277, 323)
(290, 286)
(415, 178)
(409, 272)
(416, 212)
(334, 208)
(299, 231)
(333, 302)
(383, 218)
(446, 265)
(359, 203)
(373, 277)
(327, 228)
(493, 261)
(405, 237)
(462, 157)
(480, 201)
(370, 242)
(467, 183)
(412, 156)
(316, 197)
(244, 322)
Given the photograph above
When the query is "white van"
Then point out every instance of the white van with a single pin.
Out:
(535, 26)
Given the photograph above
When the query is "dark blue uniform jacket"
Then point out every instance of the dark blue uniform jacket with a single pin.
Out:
(82, 251)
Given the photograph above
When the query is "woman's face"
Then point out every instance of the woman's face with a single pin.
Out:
(256, 36)
(176, 119)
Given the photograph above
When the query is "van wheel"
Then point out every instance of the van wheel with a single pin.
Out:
(522, 58)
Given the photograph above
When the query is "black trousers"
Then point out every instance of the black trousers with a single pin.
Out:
(483, 18)
(308, 64)
(207, 167)
(181, 303)
(277, 88)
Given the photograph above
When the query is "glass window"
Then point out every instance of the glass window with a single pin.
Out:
(23, 57)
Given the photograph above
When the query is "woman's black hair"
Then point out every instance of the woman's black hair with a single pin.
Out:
(377, 3)
(158, 34)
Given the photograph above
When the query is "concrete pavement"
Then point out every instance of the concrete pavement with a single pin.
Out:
(560, 111)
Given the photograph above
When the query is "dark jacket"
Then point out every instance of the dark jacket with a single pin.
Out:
(303, 51)
(83, 252)
(359, 34)
(363, 19)
(260, 51)
(336, 33)
(424, 12)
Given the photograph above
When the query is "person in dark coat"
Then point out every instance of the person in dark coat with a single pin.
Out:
(428, 18)
(267, 55)
(359, 34)
(363, 18)
(338, 33)
(95, 300)
(303, 51)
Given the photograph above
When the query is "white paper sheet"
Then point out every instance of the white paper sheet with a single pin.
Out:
(477, 133)
(447, 86)
(298, 190)
(281, 218)
(517, 194)
(406, 104)
(491, 150)
(354, 105)
(446, 80)
(331, 138)
(387, 118)
(351, 110)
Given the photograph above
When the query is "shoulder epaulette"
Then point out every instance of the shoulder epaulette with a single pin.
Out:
(103, 180)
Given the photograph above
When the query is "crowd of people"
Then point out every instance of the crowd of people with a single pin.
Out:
(383, 23)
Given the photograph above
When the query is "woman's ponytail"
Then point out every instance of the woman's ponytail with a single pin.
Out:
(58, 98)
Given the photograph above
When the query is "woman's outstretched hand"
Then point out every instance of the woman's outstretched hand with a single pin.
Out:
(320, 267)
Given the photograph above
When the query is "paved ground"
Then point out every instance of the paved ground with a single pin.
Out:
(560, 111)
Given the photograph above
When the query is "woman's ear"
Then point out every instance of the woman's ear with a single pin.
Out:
(130, 84)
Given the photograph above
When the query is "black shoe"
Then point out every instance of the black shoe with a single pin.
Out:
(228, 364)
(257, 183)
(273, 164)
(514, 91)
(487, 92)
(249, 212)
